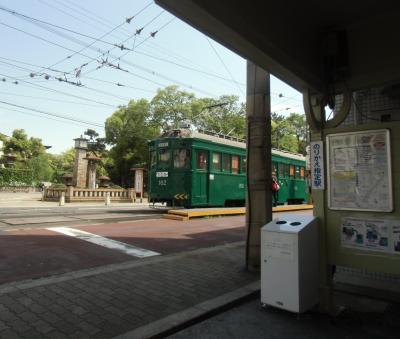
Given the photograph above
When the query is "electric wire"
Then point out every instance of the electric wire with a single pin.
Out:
(119, 84)
(44, 117)
(48, 99)
(71, 15)
(226, 68)
(62, 116)
(83, 86)
(60, 92)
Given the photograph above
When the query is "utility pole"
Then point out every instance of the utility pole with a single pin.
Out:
(259, 195)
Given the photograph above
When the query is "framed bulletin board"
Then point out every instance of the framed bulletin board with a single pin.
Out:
(359, 171)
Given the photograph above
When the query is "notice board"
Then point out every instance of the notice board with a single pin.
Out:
(359, 171)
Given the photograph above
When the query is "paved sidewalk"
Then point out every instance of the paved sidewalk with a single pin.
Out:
(115, 299)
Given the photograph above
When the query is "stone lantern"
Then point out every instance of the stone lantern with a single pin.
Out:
(104, 181)
(67, 177)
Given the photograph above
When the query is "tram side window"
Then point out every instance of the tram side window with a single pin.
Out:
(181, 158)
(226, 162)
(302, 172)
(291, 171)
(244, 161)
(201, 160)
(163, 156)
(297, 172)
(282, 170)
(216, 161)
(274, 169)
(153, 158)
(235, 164)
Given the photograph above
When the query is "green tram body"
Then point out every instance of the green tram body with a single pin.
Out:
(194, 169)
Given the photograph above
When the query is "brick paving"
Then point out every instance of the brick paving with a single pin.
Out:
(111, 300)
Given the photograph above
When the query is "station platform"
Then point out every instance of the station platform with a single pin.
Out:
(186, 214)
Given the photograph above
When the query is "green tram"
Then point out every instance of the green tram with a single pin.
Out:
(195, 169)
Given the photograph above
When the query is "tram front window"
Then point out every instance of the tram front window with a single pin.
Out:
(153, 158)
(163, 157)
(181, 158)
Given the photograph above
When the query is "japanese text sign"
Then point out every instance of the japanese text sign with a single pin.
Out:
(317, 165)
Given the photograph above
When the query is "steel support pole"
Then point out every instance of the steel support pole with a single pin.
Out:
(259, 195)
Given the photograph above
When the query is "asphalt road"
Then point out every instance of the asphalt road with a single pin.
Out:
(33, 217)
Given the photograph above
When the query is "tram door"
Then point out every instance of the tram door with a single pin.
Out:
(200, 186)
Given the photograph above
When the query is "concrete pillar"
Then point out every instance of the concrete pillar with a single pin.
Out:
(91, 174)
(107, 199)
(62, 199)
(259, 195)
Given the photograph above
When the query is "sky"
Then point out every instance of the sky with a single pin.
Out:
(54, 56)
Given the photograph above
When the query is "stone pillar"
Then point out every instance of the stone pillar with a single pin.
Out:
(91, 174)
(80, 167)
(259, 195)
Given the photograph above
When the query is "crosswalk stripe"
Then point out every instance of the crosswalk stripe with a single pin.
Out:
(105, 242)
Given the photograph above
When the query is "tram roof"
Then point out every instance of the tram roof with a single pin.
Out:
(225, 140)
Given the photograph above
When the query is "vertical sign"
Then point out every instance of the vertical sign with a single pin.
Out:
(139, 181)
(317, 165)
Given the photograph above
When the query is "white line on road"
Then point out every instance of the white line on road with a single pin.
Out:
(105, 242)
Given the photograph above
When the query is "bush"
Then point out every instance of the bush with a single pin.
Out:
(16, 177)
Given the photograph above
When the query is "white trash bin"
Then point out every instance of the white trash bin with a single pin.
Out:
(289, 263)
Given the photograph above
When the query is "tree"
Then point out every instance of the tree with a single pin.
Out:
(62, 163)
(299, 123)
(224, 115)
(96, 145)
(289, 133)
(41, 167)
(170, 107)
(128, 131)
(22, 147)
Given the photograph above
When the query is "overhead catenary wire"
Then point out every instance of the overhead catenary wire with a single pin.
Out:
(119, 58)
(49, 99)
(124, 41)
(45, 117)
(131, 64)
(103, 21)
(81, 85)
(60, 92)
(226, 67)
(119, 84)
(71, 15)
(66, 117)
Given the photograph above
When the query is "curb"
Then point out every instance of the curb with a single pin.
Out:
(192, 315)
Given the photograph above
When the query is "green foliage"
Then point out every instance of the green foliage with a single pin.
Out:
(170, 107)
(128, 130)
(41, 167)
(15, 177)
(61, 164)
(289, 133)
(22, 147)
(224, 115)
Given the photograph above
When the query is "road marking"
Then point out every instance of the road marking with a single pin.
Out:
(105, 242)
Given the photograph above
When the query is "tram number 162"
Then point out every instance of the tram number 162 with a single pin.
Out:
(162, 182)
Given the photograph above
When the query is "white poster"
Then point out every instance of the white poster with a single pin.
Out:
(138, 181)
(317, 165)
(359, 171)
(396, 238)
(371, 235)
